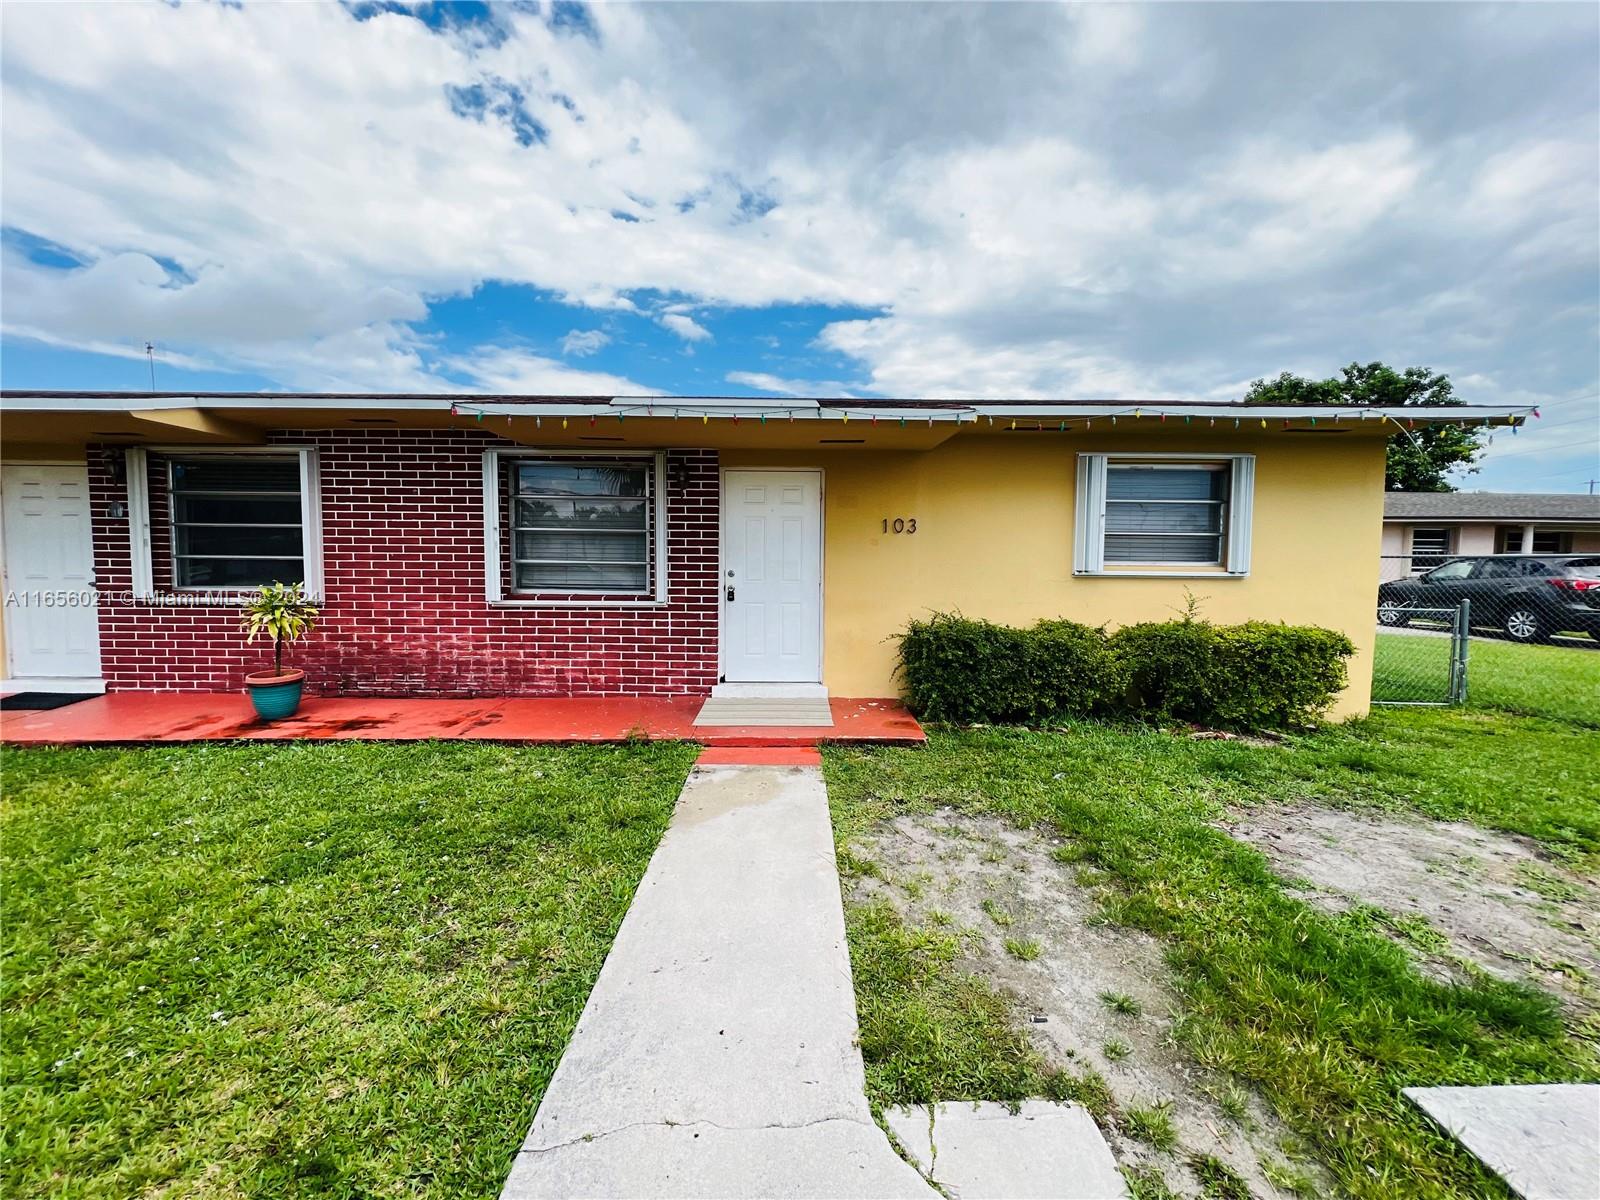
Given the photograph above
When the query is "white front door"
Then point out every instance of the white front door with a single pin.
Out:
(52, 628)
(772, 576)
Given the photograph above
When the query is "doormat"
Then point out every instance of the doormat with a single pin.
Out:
(41, 700)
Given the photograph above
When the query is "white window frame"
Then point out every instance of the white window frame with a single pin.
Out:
(1089, 534)
(137, 470)
(494, 519)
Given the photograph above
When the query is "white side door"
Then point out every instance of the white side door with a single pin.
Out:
(772, 576)
(52, 627)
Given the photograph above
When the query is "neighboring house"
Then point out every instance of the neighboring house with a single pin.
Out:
(498, 545)
(1422, 529)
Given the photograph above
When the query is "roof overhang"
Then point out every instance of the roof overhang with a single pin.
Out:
(735, 408)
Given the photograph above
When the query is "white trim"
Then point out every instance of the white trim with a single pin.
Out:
(1241, 513)
(1088, 547)
(822, 561)
(136, 470)
(1088, 541)
(494, 590)
(87, 685)
(310, 518)
(311, 522)
(661, 526)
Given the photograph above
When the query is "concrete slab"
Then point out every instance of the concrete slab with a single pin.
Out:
(1043, 1151)
(1542, 1139)
(716, 1055)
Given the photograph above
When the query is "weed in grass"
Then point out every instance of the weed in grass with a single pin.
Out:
(1416, 929)
(1218, 1181)
(1025, 949)
(1116, 1051)
(938, 916)
(997, 914)
(1089, 1089)
(1121, 1004)
(1088, 877)
(854, 866)
(1288, 1178)
(1146, 1183)
(1153, 1126)
(1234, 1104)
(1546, 883)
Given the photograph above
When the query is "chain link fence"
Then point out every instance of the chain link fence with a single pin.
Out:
(1526, 628)
(1424, 662)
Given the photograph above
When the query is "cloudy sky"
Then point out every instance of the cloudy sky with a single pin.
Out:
(996, 200)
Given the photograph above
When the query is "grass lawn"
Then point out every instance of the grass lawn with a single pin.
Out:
(1326, 1017)
(334, 969)
(1561, 682)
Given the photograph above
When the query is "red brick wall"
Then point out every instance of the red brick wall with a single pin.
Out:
(402, 552)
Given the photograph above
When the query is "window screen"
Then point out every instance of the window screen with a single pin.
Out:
(581, 526)
(1166, 514)
(1429, 547)
(236, 521)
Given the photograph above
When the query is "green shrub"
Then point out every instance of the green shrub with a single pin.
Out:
(1277, 676)
(1171, 668)
(1252, 676)
(958, 669)
(965, 671)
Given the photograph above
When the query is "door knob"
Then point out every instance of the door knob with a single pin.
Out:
(730, 591)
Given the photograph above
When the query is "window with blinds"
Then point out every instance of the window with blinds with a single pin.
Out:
(1165, 513)
(237, 521)
(581, 526)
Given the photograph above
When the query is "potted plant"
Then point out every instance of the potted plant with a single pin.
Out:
(282, 612)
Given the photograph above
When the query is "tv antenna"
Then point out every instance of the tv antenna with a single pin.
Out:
(150, 353)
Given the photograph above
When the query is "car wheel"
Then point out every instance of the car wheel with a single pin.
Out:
(1523, 625)
(1393, 612)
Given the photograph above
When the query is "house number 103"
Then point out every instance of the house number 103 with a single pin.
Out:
(899, 524)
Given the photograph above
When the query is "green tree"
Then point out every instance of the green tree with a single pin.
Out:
(1419, 459)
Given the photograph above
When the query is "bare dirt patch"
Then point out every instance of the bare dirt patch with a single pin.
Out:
(1459, 898)
(1095, 996)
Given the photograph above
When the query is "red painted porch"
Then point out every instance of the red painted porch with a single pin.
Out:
(135, 717)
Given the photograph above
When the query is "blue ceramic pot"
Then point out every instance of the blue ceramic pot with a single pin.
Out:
(275, 696)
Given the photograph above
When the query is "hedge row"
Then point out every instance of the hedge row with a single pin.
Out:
(1252, 676)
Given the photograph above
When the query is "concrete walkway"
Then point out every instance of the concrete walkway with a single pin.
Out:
(716, 1055)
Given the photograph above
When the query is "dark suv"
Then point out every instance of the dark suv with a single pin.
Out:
(1527, 597)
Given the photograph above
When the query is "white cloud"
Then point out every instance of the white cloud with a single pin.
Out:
(1035, 200)
(685, 327)
(778, 385)
(515, 372)
(582, 342)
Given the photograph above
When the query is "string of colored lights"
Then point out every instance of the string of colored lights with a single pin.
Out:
(965, 415)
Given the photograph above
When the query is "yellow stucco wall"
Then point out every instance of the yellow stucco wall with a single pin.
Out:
(994, 539)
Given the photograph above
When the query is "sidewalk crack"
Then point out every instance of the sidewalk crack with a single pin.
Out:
(852, 1118)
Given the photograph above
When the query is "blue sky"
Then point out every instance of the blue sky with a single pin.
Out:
(943, 200)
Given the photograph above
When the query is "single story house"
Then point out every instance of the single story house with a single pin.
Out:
(1422, 529)
(578, 545)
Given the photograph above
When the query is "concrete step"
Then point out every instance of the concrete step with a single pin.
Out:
(766, 713)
